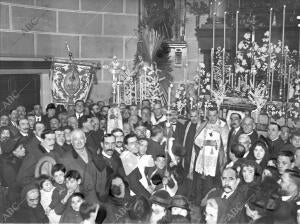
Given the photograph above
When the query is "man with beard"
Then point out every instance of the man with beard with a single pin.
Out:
(248, 126)
(233, 193)
(235, 131)
(45, 148)
(160, 202)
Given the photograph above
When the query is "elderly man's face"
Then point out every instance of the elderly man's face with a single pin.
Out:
(54, 124)
(31, 120)
(229, 180)
(246, 142)
(33, 198)
(78, 140)
(248, 125)
(4, 121)
(14, 115)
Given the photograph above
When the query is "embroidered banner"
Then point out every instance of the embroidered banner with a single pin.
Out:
(70, 82)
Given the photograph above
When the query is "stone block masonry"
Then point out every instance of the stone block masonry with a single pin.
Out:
(96, 30)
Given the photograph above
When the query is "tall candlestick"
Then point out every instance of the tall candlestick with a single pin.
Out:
(191, 102)
(283, 30)
(288, 83)
(214, 29)
(169, 96)
(212, 69)
(135, 92)
(272, 82)
(224, 49)
(236, 32)
(270, 39)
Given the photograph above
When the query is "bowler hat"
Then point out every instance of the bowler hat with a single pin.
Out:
(179, 201)
(161, 197)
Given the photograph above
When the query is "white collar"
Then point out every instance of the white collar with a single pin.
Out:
(23, 134)
(227, 194)
(285, 198)
(105, 155)
(39, 138)
(246, 154)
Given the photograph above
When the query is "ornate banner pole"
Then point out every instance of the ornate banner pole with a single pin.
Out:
(224, 49)
(270, 52)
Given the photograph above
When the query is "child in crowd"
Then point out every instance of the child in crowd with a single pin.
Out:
(71, 214)
(46, 191)
(73, 180)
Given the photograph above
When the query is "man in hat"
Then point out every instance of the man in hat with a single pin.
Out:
(30, 210)
(179, 206)
(50, 113)
(160, 202)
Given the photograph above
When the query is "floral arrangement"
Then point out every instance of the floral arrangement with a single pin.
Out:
(257, 95)
(219, 94)
(275, 111)
(294, 111)
(201, 80)
(180, 98)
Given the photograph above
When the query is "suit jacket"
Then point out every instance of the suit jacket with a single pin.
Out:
(178, 134)
(235, 203)
(275, 147)
(14, 129)
(233, 139)
(154, 148)
(253, 137)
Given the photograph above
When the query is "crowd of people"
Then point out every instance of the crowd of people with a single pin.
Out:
(97, 163)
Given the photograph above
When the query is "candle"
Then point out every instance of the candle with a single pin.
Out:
(141, 90)
(270, 39)
(272, 80)
(212, 69)
(204, 111)
(288, 87)
(169, 96)
(283, 29)
(191, 102)
(214, 29)
(236, 31)
(224, 49)
(135, 92)
(239, 84)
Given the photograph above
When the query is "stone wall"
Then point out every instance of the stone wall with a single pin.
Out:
(95, 29)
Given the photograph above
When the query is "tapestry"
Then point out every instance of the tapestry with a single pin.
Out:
(70, 82)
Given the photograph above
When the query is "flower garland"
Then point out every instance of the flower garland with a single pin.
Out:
(201, 80)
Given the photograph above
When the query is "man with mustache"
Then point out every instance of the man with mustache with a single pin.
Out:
(235, 131)
(233, 193)
(108, 158)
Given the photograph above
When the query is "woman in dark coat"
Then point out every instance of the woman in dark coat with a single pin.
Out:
(117, 200)
(11, 162)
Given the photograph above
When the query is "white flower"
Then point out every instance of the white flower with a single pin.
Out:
(208, 87)
(249, 54)
(241, 45)
(244, 62)
(267, 33)
(297, 104)
(264, 49)
(277, 50)
(201, 65)
(247, 36)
